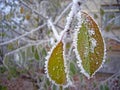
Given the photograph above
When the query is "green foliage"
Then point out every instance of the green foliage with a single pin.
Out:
(2, 34)
(95, 16)
(2, 69)
(104, 87)
(54, 87)
(3, 87)
(102, 12)
(108, 27)
(111, 16)
(10, 46)
(13, 72)
(73, 69)
(44, 53)
(36, 54)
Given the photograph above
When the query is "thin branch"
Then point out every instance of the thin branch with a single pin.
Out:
(110, 21)
(62, 13)
(53, 29)
(18, 32)
(28, 45)
(103, 82)
(75, 8)
(27, 33)
(36, 12)
(111, 35)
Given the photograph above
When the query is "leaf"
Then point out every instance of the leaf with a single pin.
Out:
(104, 87)
(55, 65)
(102, 12)
(54, 87)
(95, 16)
(3, 87)
(27, 17)
(36, 55)
(89, 46)
(21, 10)
(44, 53)
(72, 68)
(2, 69)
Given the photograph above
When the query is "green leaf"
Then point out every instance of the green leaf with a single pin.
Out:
(104, 87)
(36, 55)
(95, 16)
(2, 69)
(44, 53)
(33, 48)
(102, 12)
(55, 65)
(10, 47)
(3, 87)
(2, 34)
(89, 46)
(13, 72)
(72, 68)
(54, 87)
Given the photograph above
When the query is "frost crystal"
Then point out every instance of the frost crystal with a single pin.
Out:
(93, 44)
(91, 32)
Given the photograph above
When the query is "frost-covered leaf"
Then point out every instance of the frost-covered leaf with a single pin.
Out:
(55, 65)
(90, 48)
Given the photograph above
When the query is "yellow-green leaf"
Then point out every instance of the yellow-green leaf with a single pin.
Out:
(55, 65)
(21, 10)
(36, 55)
(89, 46)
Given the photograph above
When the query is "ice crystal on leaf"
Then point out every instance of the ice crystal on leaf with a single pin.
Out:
(88, 43)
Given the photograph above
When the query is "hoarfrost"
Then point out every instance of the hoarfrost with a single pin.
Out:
(94, 44)
(91, 32)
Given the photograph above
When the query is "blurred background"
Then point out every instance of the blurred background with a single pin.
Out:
(26, 37)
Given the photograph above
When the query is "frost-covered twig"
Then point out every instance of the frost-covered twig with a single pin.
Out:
(32, 39)
(110, 21)
(28, 45)
(36, 29)
(110, 34)
(107, 80)
(74, 10)
(50, 23)
(36, 12)
(33, 10)
(62, 13)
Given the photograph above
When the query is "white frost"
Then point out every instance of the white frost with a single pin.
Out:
(91, 32)
(94, 44)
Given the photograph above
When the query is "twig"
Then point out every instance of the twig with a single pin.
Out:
(107, 35)
(110, 21)
(36, 12)
(36, 29)
(28, 45)
(33, 10)
(62, 13)
(18, 32)
(116, 74)
(73, 11)
(53, 29)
